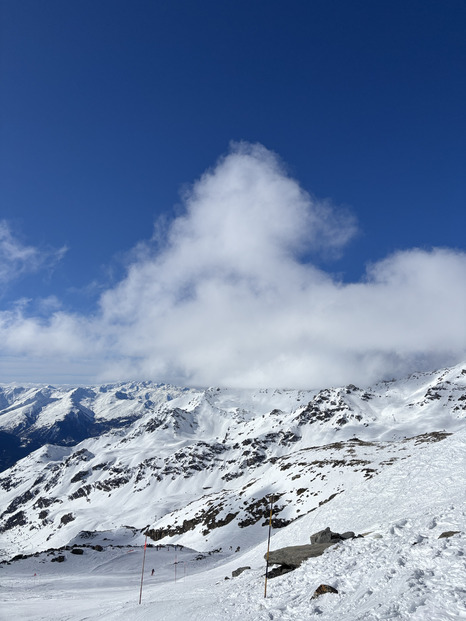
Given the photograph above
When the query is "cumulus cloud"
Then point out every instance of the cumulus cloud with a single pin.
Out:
(17, 259)
(231, 296)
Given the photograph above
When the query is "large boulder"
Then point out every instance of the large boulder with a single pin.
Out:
(293, 556)
(327, 536)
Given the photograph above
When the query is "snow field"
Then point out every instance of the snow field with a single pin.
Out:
(402, 496)
(399, 570)
(401, 575)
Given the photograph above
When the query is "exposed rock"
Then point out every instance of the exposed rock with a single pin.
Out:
(58, 559)
(323, 588)
(326, 536)
(239, 571)
(449, 533)
(77, 551)
(293, 556)
(69, 517)
(80, 476)
(18, 519)
(279, 570)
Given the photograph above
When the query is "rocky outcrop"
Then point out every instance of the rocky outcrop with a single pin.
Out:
(292, 556)
(250, 434)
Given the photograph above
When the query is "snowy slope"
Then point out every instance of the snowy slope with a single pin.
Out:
(401, 569)
(33, 415)
(196, 468)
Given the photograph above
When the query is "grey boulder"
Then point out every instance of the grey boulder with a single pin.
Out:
(239, 571)
(327, 536)
(293, 556)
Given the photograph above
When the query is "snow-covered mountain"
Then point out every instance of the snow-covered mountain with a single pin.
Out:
(89, 471)
(197, 467)
(35, 415)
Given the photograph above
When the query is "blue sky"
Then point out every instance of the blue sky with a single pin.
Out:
(112, 111)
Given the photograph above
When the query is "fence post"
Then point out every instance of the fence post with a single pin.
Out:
(268, 547)
(142, 572)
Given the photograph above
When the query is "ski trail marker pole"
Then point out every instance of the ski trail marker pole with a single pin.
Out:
(268, 547)
(142, 572)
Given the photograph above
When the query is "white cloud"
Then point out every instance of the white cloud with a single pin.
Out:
(229, 299)
(17, 258)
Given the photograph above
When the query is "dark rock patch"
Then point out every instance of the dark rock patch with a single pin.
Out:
(293, 556)
(449, 533)
(326, 536)
(69, 517)
(18, 519)
(279, 570)
(239, 571)
(80, 476)
(322, 589)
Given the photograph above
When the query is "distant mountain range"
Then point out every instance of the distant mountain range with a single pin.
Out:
(198, 467)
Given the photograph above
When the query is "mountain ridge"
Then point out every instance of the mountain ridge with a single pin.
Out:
(197, 466)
